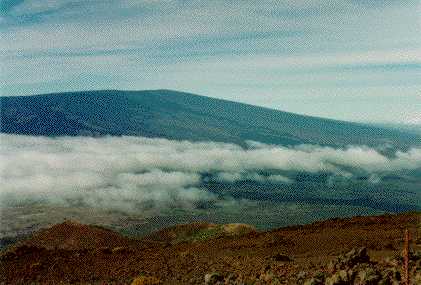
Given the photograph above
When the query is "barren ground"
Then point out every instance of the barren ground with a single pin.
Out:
(80, 254)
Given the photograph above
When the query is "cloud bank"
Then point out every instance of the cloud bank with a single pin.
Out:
(132, 173)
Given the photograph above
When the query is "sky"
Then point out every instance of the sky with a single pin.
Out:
(346, 59)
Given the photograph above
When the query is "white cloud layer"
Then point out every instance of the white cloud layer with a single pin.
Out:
(128, 173)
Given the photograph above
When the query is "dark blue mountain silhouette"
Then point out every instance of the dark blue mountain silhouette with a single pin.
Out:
(183, 116)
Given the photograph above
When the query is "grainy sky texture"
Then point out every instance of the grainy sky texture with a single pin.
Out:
(353, 60)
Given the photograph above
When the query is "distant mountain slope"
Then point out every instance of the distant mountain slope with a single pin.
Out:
(408, 128)
(182, 116)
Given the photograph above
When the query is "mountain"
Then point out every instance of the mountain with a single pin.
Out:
(72, 235)
(408, 128)
(182, 116)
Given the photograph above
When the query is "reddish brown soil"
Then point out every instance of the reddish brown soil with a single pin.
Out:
(75, 253)
(72, 235)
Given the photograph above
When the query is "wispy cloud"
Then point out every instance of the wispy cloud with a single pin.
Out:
(249, 51)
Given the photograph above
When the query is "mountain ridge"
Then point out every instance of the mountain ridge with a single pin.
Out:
(178, 115)
(383, 126)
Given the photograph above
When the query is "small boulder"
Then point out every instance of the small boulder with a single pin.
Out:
(35, 266)
(146, 280)
(301, 275)
(349, 260)
(339, 278)
(121, 250)
(313, 281)
(213, 278)
(415, 255)
(104, 249)
(369, 276)
(281, 257)
(356, 256)
(390, 276)
(417, 278)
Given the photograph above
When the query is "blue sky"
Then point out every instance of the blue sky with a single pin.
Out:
(353, 60)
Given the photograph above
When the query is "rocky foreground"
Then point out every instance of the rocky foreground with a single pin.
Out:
(359, 250)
